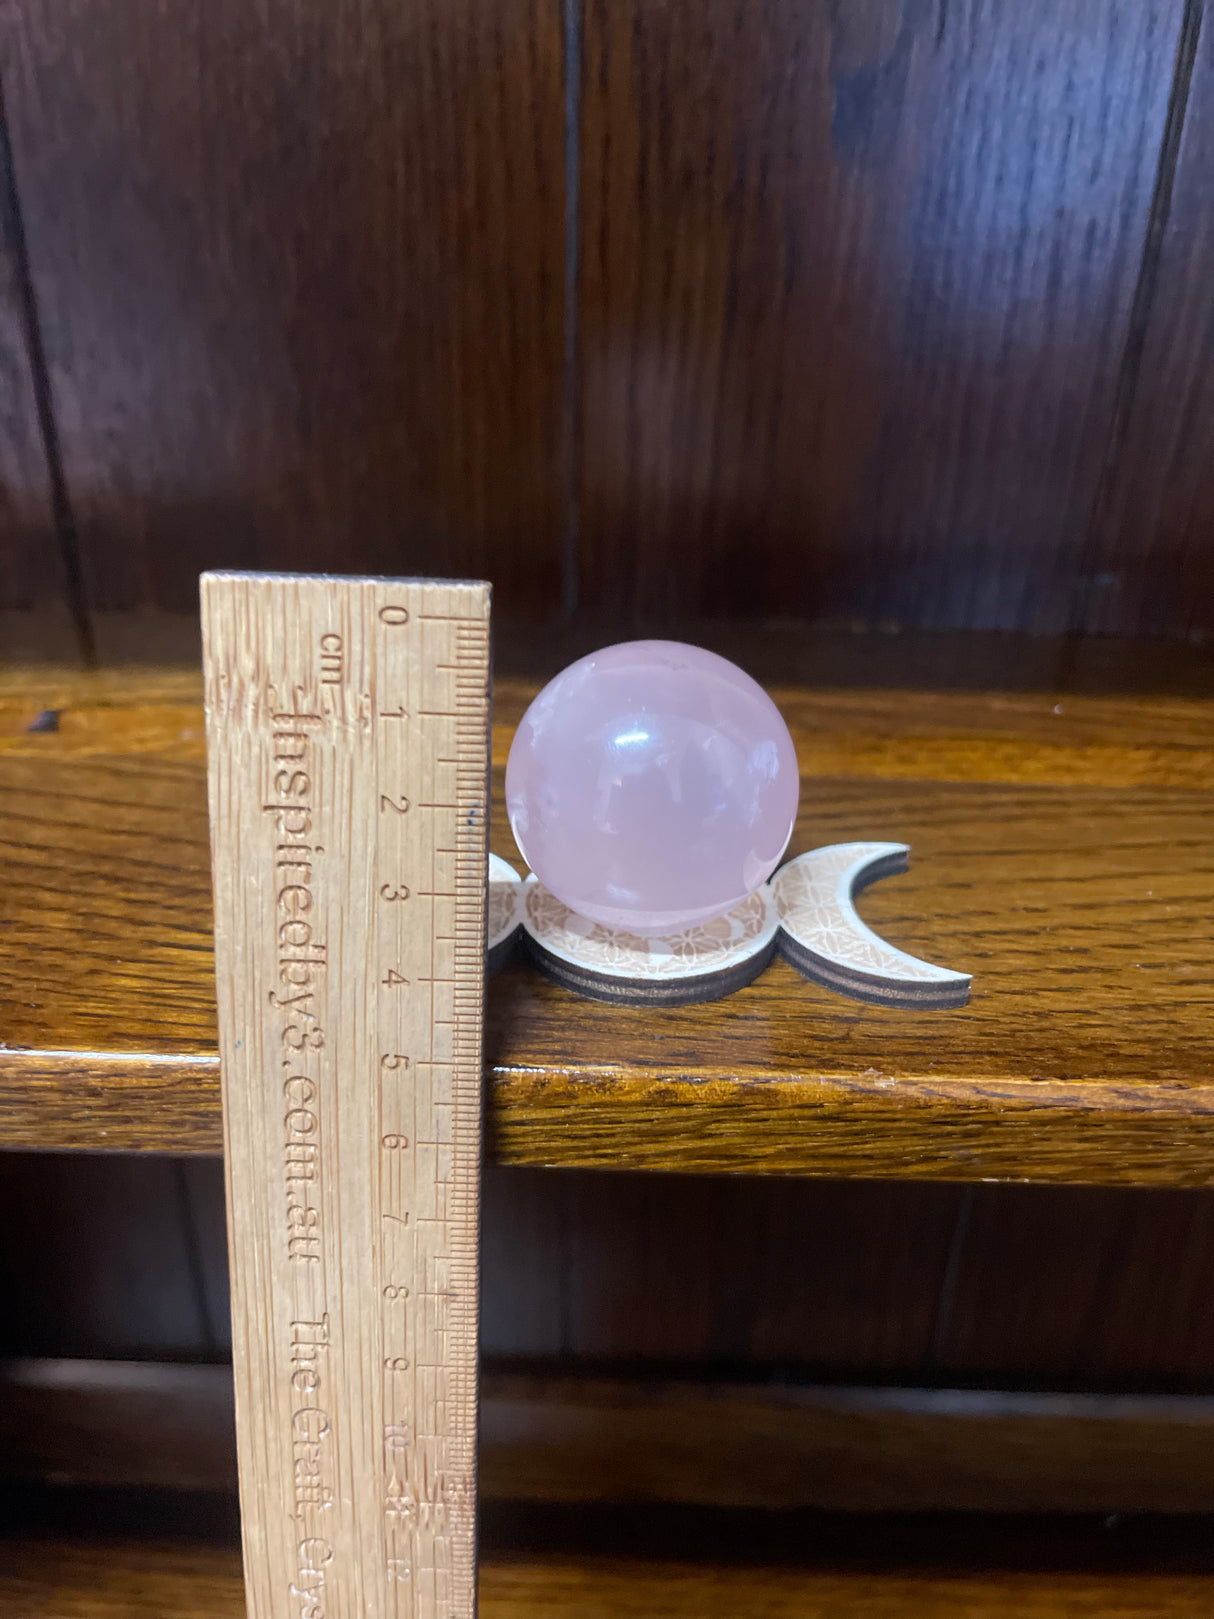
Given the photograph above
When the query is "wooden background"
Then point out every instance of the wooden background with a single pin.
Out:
(884, 314)
(1015, 1287)
(873, 312)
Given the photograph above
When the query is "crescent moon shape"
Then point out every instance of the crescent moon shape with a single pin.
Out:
(824, 938)
(503, 912)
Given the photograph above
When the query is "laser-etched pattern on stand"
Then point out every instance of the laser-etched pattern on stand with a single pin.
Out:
(807, 911)
(824, 938)
(503, 912)
(702, 962)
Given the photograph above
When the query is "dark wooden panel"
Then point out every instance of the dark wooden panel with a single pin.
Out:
(1045, 1287)
(641, 1281)
(845, 1273)
(524, 1262)
(299, 270)
(1032, 1281)
(1155, 1321)
(200, 1191)
(31, 583)
(1152, 570)
(675, 1269)
(94, 1259)
(1050, 1287)
(855, 285)
(804, 1273)
(1074, 1286)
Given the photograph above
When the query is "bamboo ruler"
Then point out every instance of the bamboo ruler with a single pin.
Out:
(347, 724)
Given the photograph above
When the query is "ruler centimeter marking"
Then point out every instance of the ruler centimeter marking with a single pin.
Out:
(347, 746)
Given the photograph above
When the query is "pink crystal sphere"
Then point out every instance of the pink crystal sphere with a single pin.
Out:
(652, 785)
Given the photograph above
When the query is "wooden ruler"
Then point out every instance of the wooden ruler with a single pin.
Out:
(347, 740)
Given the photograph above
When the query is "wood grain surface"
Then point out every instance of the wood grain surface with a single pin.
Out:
(670, 1271)
(856, 281)
(49, 1579)
(842, 1449)
(349, 855)
(1152, 566)
(885, 314)
(31, 580)
(587, 1439)
(164, 1424)
(1078, 905)
(1055, 1287)
(680, 1271)
(667, 1276)
(57, 1578)
(95, 1259)
(299, 282)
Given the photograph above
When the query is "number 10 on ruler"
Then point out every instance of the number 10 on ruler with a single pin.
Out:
(347, 725)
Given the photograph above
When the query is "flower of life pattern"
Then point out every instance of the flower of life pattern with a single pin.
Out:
(813, 897)
(503, 915)
(707, 947)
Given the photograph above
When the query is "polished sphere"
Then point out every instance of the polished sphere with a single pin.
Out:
(652, 785)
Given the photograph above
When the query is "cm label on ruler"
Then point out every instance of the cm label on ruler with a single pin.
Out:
(347, 746)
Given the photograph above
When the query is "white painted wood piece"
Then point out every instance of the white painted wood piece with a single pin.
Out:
(703, 962)
(505, 912)
(822, 935)
(807, 912)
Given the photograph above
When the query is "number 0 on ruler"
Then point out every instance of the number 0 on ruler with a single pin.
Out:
(347, 745)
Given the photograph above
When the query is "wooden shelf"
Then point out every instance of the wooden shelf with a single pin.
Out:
(601, 1442)
(144, 1579)
(1062, 851)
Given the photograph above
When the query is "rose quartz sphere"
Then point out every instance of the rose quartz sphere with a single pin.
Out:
(652, 785)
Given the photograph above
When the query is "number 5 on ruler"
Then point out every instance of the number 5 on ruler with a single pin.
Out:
(349, 1033)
